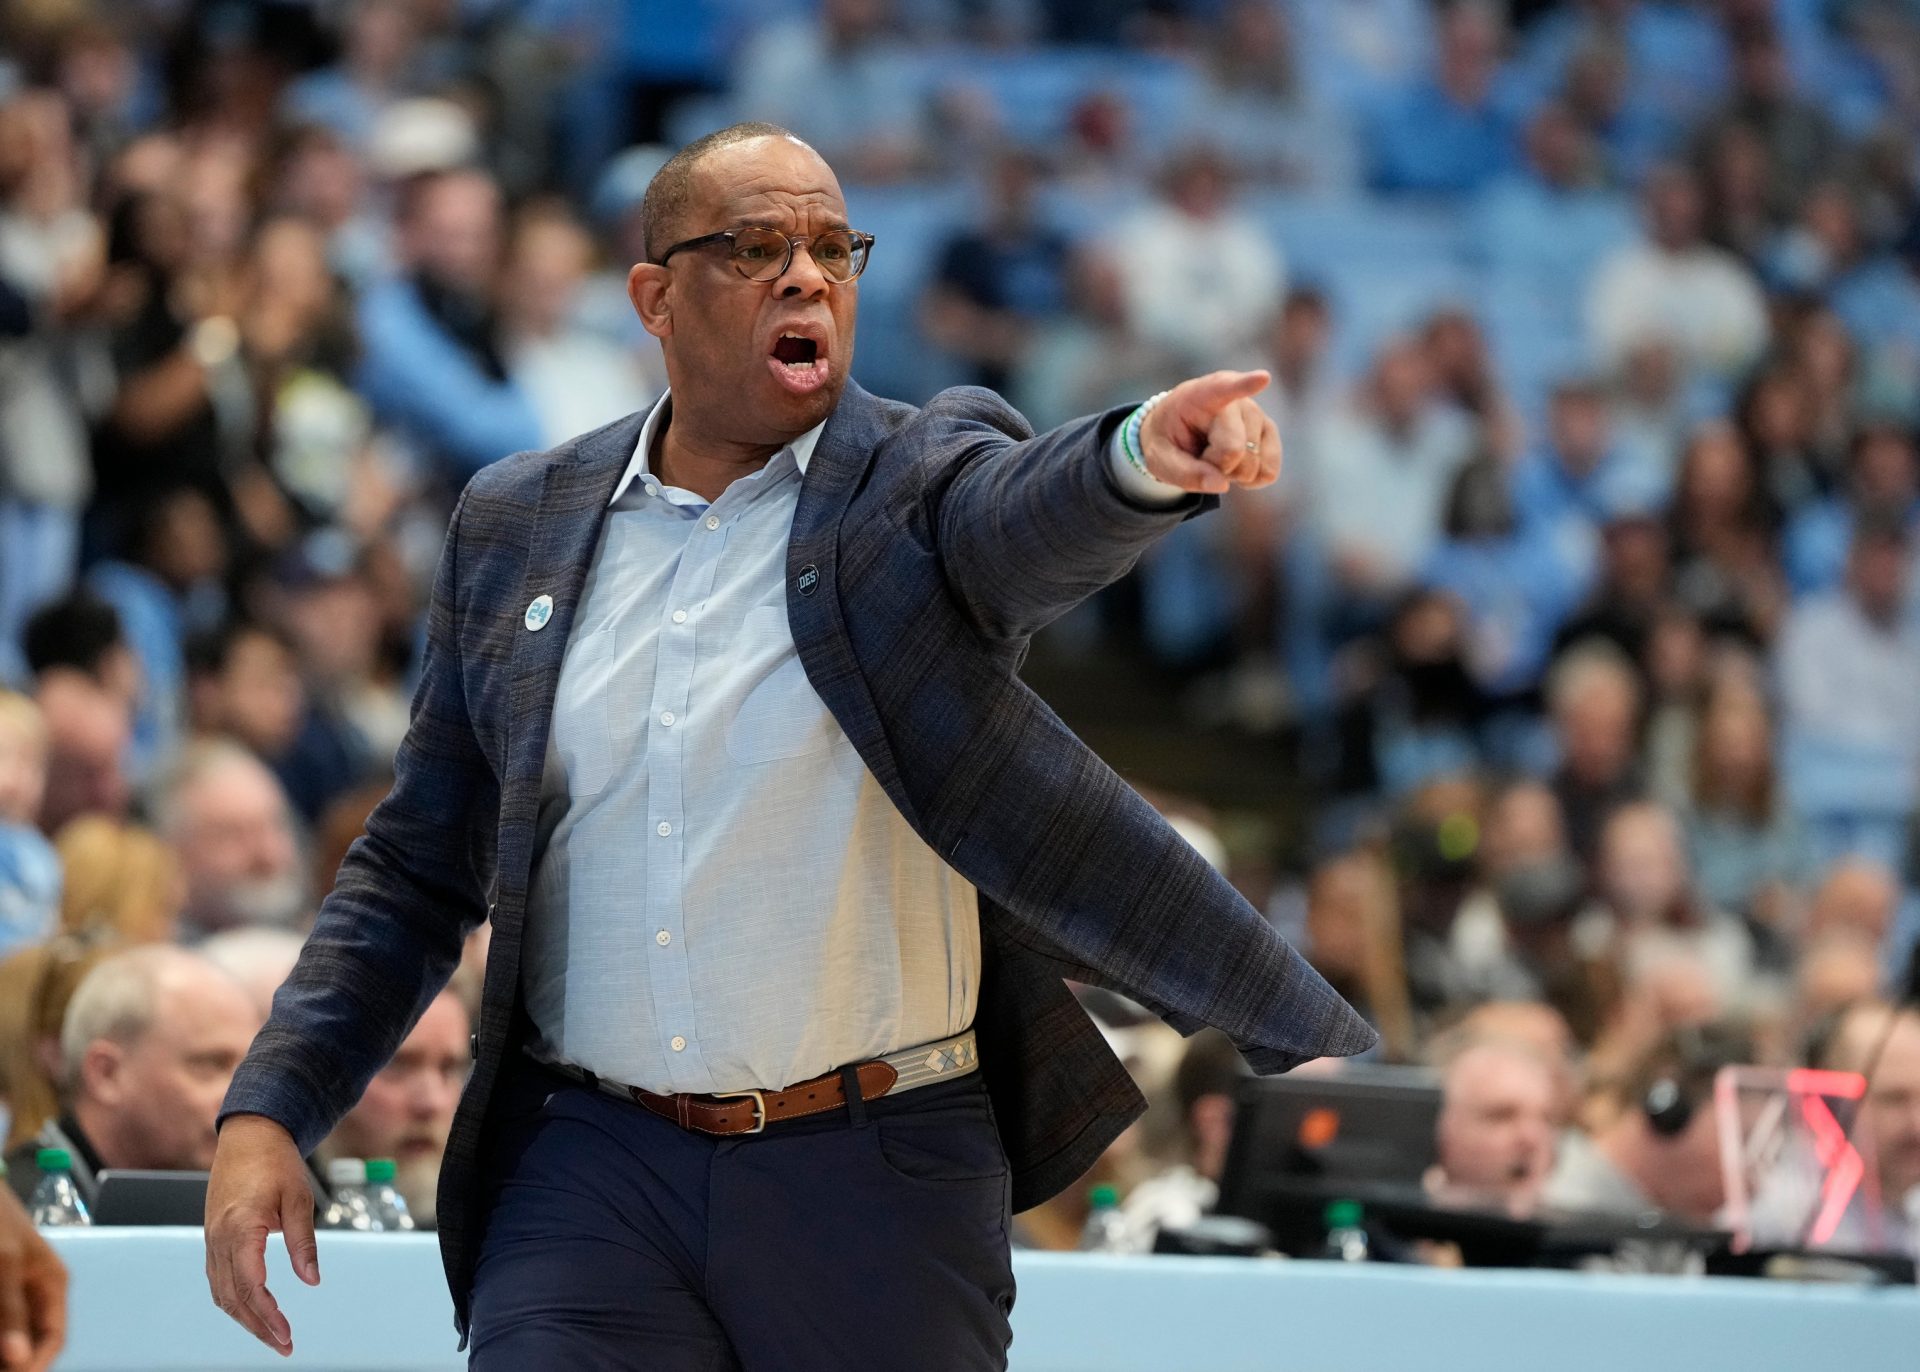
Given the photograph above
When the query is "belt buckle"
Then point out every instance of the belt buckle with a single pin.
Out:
(759, 1099)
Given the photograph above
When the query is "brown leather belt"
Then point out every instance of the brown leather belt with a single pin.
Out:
(749, 1112)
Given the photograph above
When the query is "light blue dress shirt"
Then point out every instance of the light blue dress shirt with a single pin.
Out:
(723, 896)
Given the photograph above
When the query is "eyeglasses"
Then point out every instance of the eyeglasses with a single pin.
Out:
(765, 254)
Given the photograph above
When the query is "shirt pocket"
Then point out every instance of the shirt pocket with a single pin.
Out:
(581, 735)
(782, 716)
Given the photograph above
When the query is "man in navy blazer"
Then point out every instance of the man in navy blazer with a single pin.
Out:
(588, 1221)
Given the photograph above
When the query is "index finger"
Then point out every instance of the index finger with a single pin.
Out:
(1216, 390)
(240, 1263)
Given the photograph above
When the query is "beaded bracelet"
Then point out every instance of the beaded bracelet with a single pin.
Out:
(1130, 435)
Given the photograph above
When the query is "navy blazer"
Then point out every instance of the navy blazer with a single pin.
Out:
(926, 547)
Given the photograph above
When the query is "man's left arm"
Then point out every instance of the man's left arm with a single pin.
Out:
(1028, 529)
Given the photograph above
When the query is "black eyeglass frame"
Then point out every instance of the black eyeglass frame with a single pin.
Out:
(727, 236)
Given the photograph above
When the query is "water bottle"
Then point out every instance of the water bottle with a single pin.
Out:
(1346, 1232)
(56, 1200)
(351, 1208)
(1106, 1228)
(388, 1205)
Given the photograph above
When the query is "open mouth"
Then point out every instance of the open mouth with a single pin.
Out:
(798, 362)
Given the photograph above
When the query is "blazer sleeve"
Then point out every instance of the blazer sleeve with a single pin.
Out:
(1028, 526)
(409, 891)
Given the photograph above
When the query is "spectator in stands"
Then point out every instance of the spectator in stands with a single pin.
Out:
(1676, 286)
(1736, 177)
(1743, 841)
(1595, 700)
(1648, 912)
(30, 874)
(228, 818)
(122, 882)
(149, 1043)
(1661, 1151)
(50, 271)
(1886, 1039)
(36, 983)
(1510, 576)
(246, 684)
(406, 1112)
(1775, 416)
(88, 733)
(1630, 591)
(1799, 140)
(994, 283)
(319, 179)
(1579, 480)
(1858, 898)
(1542, 1029)
(1259, 106)
(331, 610)
(1465, 375)
(1448, 134)
(1494, 1140)
(1726, 570)
(380, 61)
(576, 379)
(81, 633)
(258, 958)
(168, 585)
(1508, 940)
(1353, 940)
(1199, 276)
(1847, 663)
(1883, 476)
(432, 362)
(1397, 436)
(1550, 222)
(825, 76)
(1667, 61)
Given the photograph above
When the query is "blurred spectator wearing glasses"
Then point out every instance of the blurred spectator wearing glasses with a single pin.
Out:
(148, 1045)
(406, 1112)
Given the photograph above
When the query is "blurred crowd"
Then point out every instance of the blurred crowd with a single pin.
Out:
(1588, 602)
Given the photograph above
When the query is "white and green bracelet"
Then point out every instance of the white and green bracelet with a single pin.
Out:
(1130, 435)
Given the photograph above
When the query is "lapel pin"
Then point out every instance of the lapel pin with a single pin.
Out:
(539, 612)
(809, 578)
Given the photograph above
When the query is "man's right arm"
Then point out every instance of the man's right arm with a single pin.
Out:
(386, 941)
(409, 891)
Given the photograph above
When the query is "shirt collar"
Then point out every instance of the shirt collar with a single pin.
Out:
(802, 447)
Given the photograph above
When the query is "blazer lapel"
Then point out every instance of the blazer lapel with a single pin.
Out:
(814, 612)
(576, 487)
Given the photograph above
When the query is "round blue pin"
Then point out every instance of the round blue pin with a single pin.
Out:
(539, 612)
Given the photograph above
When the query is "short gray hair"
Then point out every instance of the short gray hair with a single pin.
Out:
(197, 762)
(115, 1001)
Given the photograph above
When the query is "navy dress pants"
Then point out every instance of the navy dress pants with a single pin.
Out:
(872, 1238)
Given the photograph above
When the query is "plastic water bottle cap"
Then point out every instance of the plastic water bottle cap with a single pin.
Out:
(1104, 1196)
(380, 1171)
(346, 1172)
(53, 1160)
(1343, 1214)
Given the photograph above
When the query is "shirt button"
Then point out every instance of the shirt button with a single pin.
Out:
(663, 938)
(664, 829)
(679, 616)
(713, 521)
(679, 1044)
(666, 716)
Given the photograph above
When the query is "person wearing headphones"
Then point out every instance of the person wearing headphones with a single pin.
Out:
(1661, 1154)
